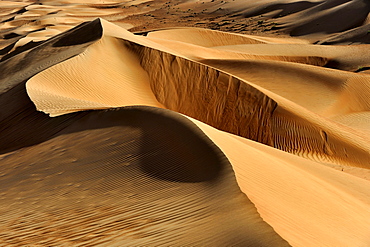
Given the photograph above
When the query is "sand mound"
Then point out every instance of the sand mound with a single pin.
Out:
(243, 154)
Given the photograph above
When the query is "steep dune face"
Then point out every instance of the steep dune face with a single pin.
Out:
(208, 95)
(242, 156)
(310, 117)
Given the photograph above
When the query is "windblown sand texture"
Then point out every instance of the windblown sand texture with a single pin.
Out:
(184, 123)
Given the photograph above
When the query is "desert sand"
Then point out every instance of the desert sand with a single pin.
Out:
(184, 123)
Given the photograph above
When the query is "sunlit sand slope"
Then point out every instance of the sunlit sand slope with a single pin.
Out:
(307, 203)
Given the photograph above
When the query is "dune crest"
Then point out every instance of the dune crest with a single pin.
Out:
(86, 78)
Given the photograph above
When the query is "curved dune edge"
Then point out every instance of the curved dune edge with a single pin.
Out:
(125, 177)
(152, 72)
(303, 200)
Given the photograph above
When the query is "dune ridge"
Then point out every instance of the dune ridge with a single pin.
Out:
(228, 85)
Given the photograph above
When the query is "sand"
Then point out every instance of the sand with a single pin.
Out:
(184, 123)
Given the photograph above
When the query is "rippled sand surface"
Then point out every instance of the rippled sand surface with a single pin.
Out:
(184, 123)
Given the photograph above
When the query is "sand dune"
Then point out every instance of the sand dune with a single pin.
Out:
(126, 182)
(173, 134)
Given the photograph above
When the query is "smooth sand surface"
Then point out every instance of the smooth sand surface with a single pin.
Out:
(204, 124)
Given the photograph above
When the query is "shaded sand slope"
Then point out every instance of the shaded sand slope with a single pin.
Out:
(313, 102)
(132, 176)
(18, 112)
(296, 88)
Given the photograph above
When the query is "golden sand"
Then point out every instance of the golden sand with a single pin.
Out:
(174, 134)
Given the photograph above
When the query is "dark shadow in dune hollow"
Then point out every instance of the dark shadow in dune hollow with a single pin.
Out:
(171, 147)
(173, 151)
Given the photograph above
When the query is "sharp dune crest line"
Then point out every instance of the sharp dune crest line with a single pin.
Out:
(132, 123)
(298, 178)
(92, 81)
